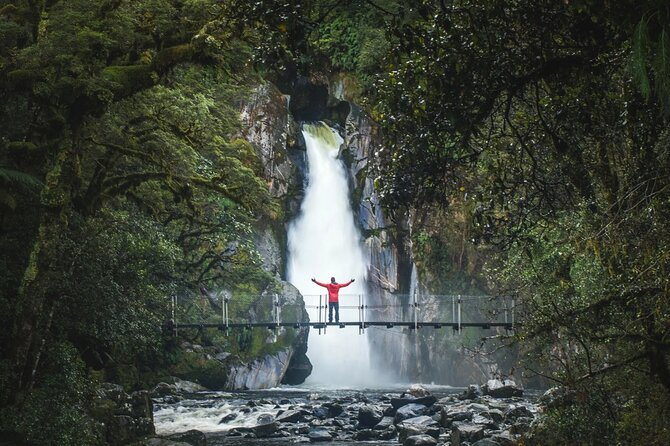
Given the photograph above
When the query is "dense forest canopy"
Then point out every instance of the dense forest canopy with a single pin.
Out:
(123, 179)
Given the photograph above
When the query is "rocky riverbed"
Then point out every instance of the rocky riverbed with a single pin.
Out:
(490, 415)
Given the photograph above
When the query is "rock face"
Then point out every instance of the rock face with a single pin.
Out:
(123, 418)
(263, 373)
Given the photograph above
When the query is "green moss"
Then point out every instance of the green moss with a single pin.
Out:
(128, 78)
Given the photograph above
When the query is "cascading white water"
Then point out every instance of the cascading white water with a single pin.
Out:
(323, 242)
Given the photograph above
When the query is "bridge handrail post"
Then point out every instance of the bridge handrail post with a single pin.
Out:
(513, 310)
(362, 297)
(505, 301)
(453, 309)
(319, 311)
(174, 313)
(416, 312)
(277, 309)
(459, 312)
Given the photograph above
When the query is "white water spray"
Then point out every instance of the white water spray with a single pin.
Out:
(323, 242)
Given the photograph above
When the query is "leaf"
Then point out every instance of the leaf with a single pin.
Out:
(20, 179)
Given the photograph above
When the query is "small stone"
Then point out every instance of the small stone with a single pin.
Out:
(420, 440)
(228, 418)
(316, 435)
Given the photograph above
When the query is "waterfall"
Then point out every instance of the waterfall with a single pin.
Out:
(324, 242)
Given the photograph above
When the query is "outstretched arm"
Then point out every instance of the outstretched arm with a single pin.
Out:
(325, 285)
(347, 284)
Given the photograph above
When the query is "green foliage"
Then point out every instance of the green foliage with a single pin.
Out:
(55, 412)
(526, 118)
(650, 56)
(125, 115)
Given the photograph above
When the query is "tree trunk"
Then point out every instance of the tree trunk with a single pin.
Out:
(35, 293)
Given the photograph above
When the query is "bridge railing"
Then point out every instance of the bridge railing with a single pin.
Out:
(415, 310)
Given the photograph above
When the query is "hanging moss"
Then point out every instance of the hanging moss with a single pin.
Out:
(129, 78)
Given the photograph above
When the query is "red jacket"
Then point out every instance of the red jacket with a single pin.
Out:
(333, 289)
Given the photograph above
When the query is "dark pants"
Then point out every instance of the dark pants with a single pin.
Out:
(332, 305)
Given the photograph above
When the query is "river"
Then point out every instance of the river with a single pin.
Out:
(232, 418)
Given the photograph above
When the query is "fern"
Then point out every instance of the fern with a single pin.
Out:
(661, 66)
(638, 64)
(15, 178)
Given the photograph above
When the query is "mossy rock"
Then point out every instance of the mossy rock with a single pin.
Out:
(195, 367)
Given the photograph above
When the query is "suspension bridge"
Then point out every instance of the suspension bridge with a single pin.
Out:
(413, 312)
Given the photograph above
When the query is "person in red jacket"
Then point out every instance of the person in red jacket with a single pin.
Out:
(333, 296)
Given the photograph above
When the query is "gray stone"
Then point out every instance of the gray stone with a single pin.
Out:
(423, 420)
(420, 440)
(495, 414)
(397, 403)
(389, 433)
(461, 432)
(521, 426)
(366, 435)
(316, 435)
(290, 416)
(409, 411)
(334, 409)
(162, 442)
(187, 386)
(192, 437)
(513, 413)
(321, 412)
(450, 415)
(369, 416)
(486, 442)
(264, 419)
(502, 388)
(485, 421)
(504, 439)
(472, 392)
(418, 426)
(163, 389)
(260, 430)
(417, 391)
(228, 418)
(384, 423)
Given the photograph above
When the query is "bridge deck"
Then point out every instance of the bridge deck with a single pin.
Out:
(319, 325)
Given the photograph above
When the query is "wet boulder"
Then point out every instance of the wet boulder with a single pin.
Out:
(228, 418)
(191, 437)
(521, 426)
(369, 416)
(409, 411)
(465, 432)
(506, 388)
(486, 442)
(504, 439)
(417, 391)
(515, 412)
(389, 433)
(384, 424)
(261, 430)
(472, 392)
(334, 409)
(420, 440)
(421, 425)
(291, 416)
(319, 434)
(366, 435)
(427, 401)
(449, 415)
